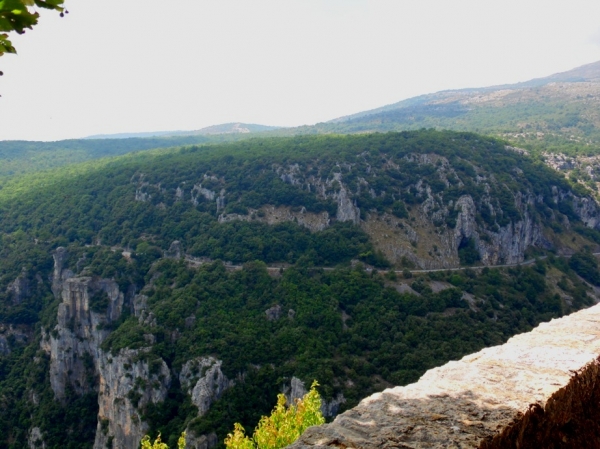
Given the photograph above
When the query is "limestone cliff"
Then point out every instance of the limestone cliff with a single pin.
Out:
(204, 381)
(540, 389)
(128, 381)
(450, 203)
(125, 382)
(74, 343)
(297, 389)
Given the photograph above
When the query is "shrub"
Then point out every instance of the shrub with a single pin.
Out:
(283, 427)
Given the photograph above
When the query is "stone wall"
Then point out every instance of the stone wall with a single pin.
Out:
(539, 390)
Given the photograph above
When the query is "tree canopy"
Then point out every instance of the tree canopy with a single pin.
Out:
(20, 15)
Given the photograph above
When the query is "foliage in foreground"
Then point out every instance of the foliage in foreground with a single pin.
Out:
(283, 427)
(146, 443)
(19, 15)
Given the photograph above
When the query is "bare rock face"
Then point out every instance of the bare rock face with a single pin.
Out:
(75, 342)
(125, 382)
(128, 381)
(273, 313)
(540, 389)
(35, 439)
(174, 251)
(19, 289)
(297, 389)
(205, 382)
(346, 210)
(193, 441)
(60, 273)
(275, 215)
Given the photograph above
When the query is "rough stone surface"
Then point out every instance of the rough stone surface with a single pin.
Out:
(75, 343)
(467, 403)
(19, 289)
(275, 215)
(128, 381)
(193, 441)
(174, 251)
(346, 210)
(125, 382)
(35, 439)
(273, 313)
(204, 381)
(79, 332)
(432, 229)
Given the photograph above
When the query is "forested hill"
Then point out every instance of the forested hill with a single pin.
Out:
(558, 113)
(181, 289)
(18, 157)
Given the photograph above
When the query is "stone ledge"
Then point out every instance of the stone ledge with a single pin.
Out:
(540, 389)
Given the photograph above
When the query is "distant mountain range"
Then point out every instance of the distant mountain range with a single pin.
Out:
(225, 128)
(558, 113)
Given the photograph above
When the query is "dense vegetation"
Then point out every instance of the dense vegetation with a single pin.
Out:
(19, 157)
(356, 330)
(97, 201)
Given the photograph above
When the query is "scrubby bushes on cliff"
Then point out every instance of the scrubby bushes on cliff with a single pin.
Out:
(283, 426)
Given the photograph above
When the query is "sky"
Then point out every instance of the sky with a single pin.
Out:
(116, 66)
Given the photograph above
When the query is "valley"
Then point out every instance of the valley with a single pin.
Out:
(181, 289)
(178, 281)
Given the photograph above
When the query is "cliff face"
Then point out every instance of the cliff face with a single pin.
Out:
(125, 382)
(74, 344)
(540, 389)
(450, 203)
(128, 382)
(204, 381)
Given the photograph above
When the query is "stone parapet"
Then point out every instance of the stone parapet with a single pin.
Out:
(540, 389)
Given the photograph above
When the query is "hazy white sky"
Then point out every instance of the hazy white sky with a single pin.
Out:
(146, 65)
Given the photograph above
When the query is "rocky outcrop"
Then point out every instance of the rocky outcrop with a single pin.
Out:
(507, 245)
(74, 345)
(60, 273)
(193, 441)
(418, 221)
(128, 381)
(20, 288)
(174, 251)
(273, 313)
(297, 389)
(346, 210)
(275, 215)
(204, 381)
(35, 439)
(540, 389)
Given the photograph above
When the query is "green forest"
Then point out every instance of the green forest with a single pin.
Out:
(350, 318)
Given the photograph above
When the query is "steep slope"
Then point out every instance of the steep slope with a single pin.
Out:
(20, 157)
(421, 197)
(537, 390)
(119, 316)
